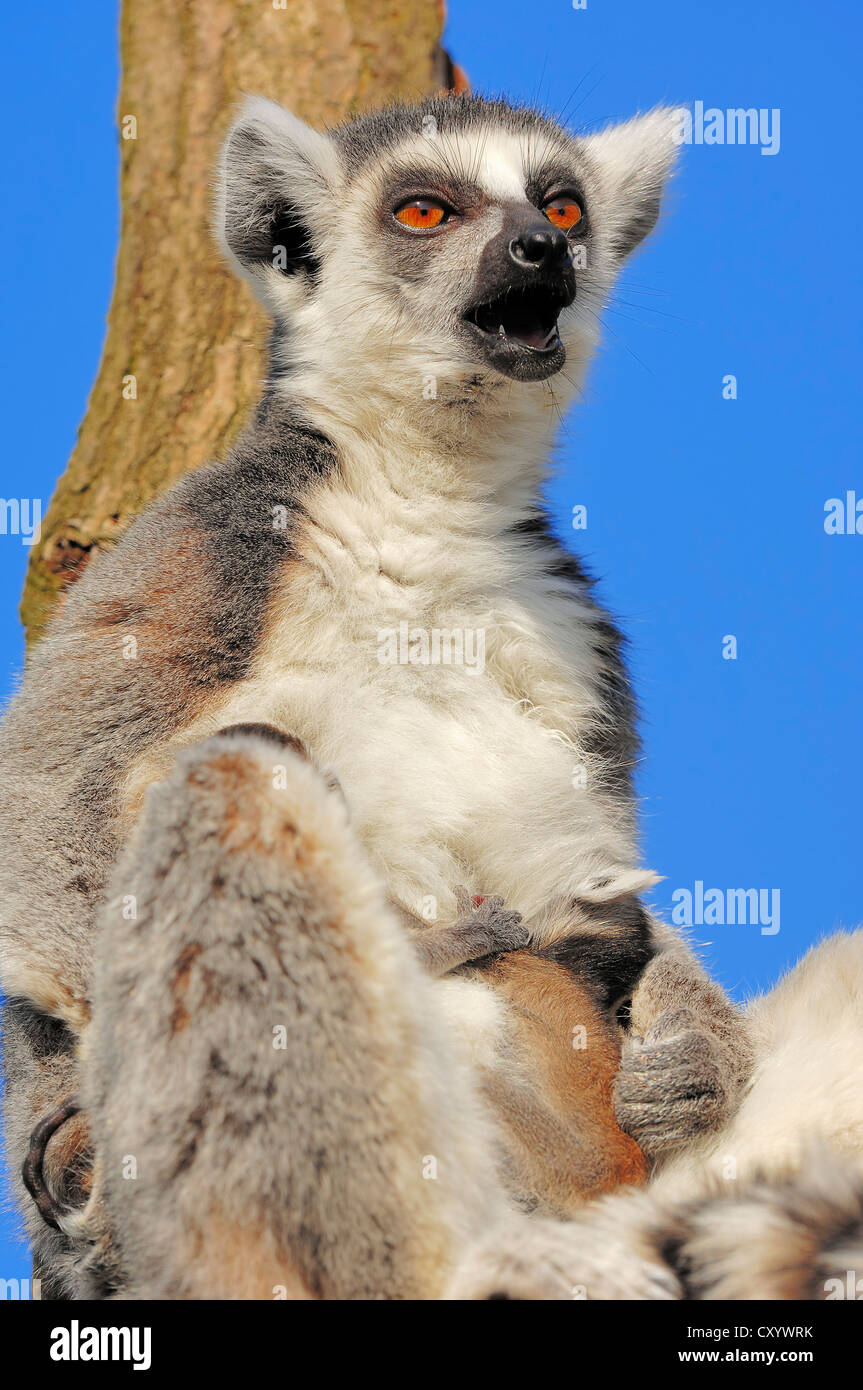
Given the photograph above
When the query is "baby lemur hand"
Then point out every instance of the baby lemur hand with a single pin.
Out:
(484, 929)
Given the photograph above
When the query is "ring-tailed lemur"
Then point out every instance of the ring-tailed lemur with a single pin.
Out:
(172, 899)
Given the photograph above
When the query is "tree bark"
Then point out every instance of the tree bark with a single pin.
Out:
(182, 361)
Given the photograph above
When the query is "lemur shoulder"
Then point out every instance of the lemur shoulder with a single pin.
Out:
(434, 275)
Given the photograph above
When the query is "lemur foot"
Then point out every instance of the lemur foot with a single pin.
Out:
(672, 1083)
(493, 927)
(542, 1260)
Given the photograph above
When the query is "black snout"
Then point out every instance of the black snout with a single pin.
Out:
(525, 279)
(546, 248)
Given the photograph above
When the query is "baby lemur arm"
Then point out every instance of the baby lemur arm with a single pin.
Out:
(478, 931)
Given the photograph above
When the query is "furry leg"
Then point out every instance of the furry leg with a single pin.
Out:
(275, 1109)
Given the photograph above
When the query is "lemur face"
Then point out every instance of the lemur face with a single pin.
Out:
(463, 238)
(480, 245)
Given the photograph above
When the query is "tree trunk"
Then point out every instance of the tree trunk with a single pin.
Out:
(183, 361)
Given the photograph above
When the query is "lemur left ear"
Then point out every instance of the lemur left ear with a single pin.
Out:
(274, 171)
(634, 161)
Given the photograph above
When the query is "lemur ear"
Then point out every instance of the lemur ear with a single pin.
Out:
(634, 160)
(274, 171)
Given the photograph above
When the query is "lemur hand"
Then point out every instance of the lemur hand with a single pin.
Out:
(685, 1065)
(671, 1085)
(481, 929)
(488, 924)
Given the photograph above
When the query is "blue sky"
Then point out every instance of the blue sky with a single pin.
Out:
(705, 516)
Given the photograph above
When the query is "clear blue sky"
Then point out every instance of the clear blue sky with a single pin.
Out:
(705, 516)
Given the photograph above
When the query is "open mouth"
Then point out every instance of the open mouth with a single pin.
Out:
(520, 332)
(528, 317)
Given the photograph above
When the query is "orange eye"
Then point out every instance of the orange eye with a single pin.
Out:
(564, 212)
(420, 214)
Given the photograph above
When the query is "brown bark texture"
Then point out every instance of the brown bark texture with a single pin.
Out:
(183, 355)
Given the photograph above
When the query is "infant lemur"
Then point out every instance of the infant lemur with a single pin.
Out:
(244, 806)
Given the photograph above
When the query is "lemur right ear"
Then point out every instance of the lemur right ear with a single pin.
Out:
(274, 171)
(636, 159)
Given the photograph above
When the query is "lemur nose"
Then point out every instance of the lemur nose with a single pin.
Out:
(546, 248)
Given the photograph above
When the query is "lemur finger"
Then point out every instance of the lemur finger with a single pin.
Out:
(666, 1092)
(671, 1061)
(463, 901)
(505, 929)
(670, 1023)
(489, 906)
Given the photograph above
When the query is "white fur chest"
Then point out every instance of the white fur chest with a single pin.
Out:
(445, 685)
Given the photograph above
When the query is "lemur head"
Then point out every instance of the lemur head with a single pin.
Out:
(461, 241)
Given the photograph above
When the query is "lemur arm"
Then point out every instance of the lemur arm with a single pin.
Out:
(484, 930)
(689, 1055)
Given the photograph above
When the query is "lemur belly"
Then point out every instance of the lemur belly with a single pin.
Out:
(455, 773)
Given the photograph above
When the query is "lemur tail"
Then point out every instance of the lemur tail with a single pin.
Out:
(797, 1237)
(308, 1135)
